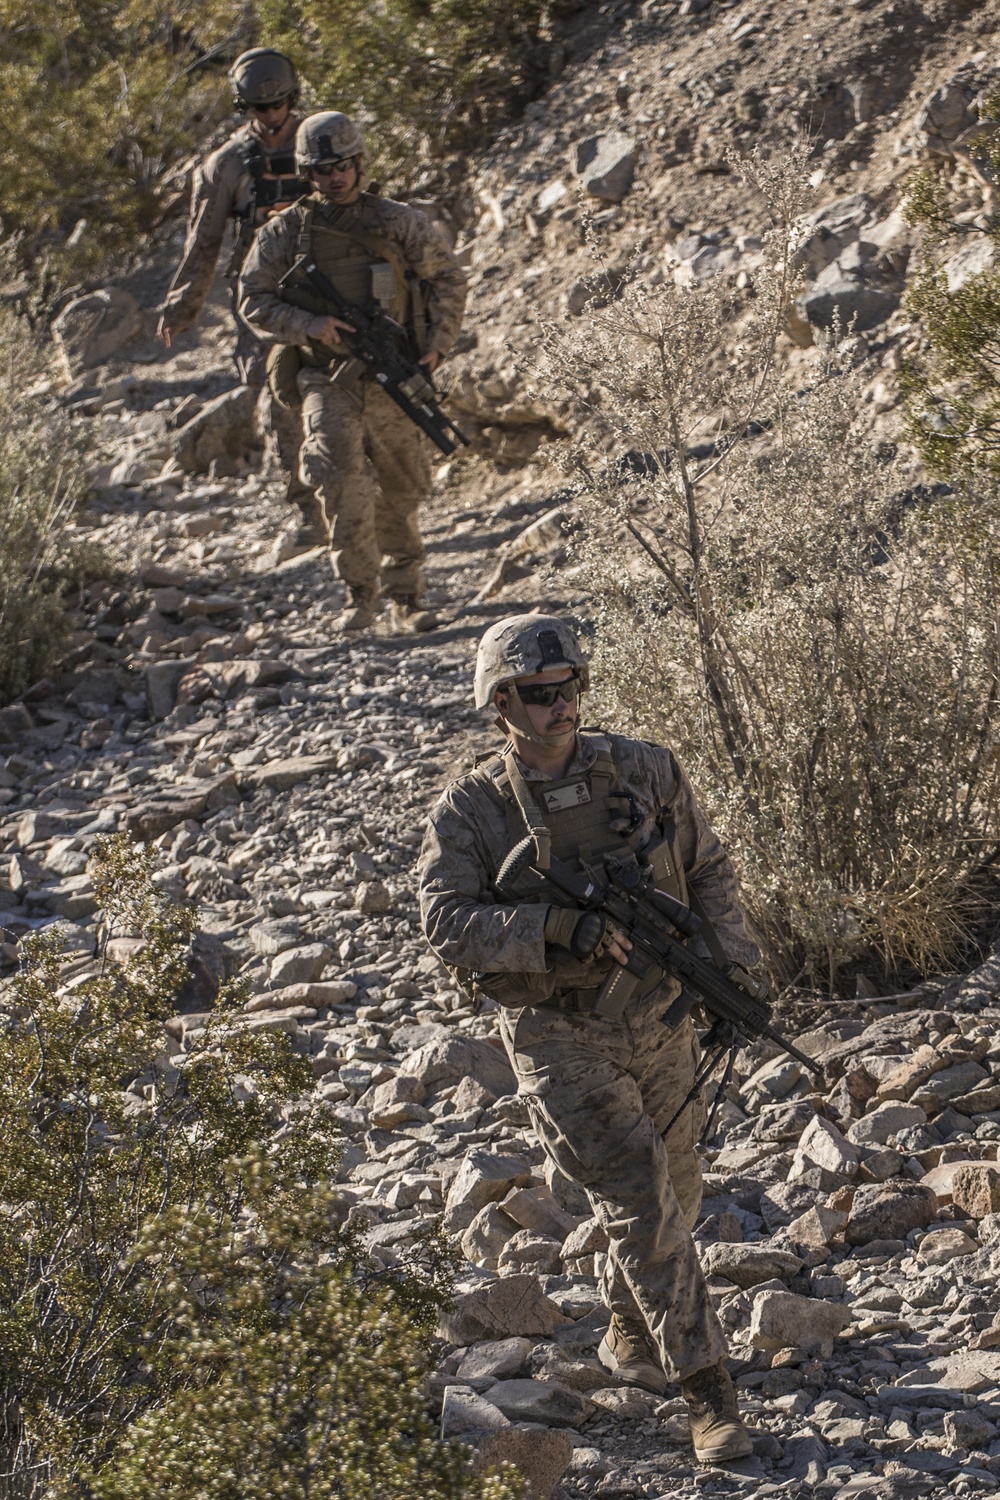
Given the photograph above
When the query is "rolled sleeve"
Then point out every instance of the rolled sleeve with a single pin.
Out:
(213, 197)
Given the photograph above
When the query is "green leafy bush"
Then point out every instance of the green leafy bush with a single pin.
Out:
(816, 639)
(184, 1310)
(426, 76)
(41, 483)
(106, 97)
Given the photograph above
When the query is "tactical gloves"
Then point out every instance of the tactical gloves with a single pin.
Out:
(582, 932)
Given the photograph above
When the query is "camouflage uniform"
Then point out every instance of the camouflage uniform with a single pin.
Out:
(601, 1093)
(366, 461)
(222, 191)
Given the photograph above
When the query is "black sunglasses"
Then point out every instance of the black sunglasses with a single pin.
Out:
(544, 694)
(325, 168)
(264, 109)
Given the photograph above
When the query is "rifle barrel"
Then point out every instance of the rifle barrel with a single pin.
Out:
(646, 926)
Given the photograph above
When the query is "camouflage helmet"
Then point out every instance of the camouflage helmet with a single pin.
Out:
(329, 136)
(263, 76)
(522, 645)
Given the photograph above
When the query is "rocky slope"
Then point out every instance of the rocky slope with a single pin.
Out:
(851, 1228)
(622, 172)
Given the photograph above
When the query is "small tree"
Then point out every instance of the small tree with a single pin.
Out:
(115, 97)
(184, 1311)
(111, 97)
(819, 644)
(424, 76)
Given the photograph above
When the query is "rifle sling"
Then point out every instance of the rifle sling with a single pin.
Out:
(708, 932)
(530, 812)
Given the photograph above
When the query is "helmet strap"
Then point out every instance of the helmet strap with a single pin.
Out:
(518, 719)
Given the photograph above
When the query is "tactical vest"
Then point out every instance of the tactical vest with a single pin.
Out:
(276, 182)
(361, 264)
(275, 186)
(589, 815)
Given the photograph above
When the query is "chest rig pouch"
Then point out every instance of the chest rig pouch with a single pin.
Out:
(594, 824)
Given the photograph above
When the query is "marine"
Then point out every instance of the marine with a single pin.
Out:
(248, 179)
(610, 1101)
(364, 460)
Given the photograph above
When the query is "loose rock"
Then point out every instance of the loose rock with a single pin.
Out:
(503, 1309)
(782, 1320)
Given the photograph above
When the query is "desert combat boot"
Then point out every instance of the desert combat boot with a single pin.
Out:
(407, 616)
(717, 1430)
(360, 610)
(627, 1351)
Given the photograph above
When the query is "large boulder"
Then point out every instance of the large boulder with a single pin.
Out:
(785, 1201)
(486, 1236)
(539, 1453)
(93, 328)
(952, 109)
(223, 429)
(529, 1251)
(399, 1101)
(782, 1320)
(511, 1308)
(750, 1265)
(847, 296)
(500, 1359)
(827, 231)
(539, 1401)
(975, 1189)
(299, 965)
(485, 1177)
(535, 1208)
(949, 1083)
(880, 1125)
(943, 117)
(822, 1145)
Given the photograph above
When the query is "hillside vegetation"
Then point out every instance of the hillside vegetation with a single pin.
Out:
(41, 485)
(111, 98)
(184, 1308)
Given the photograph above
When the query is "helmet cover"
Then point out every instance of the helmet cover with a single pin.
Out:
(522, 645)
(328, 136)
(263, 76)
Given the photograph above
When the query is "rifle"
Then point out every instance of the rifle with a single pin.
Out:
(657, 923)
(374, 351)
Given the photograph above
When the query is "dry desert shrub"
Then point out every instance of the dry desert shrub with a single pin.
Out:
(41, 483)
(815, 632)
(187, 1310)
